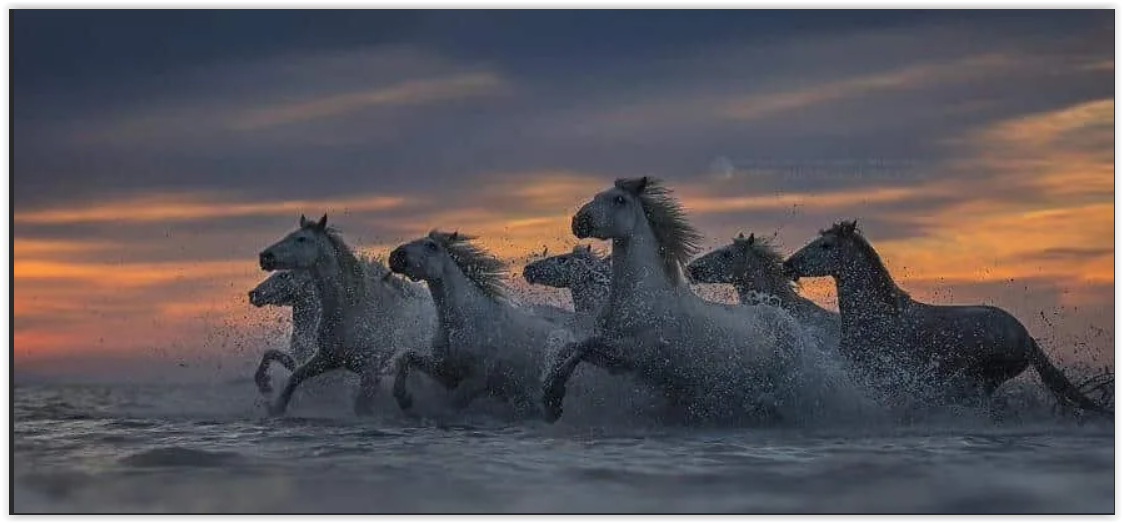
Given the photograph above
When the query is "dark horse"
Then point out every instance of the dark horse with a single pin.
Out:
(959, 351)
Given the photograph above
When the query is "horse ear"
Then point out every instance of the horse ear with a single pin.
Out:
(634, 186)
(589, 248)
(303, 221)
(323, 223)
(454, 236)
(752, 238)
(642, 184)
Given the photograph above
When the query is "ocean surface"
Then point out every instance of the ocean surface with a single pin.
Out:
(209, 447)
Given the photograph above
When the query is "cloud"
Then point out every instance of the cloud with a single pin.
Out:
(220, 103)
(407, 93)
(916, 76)
(168, 207)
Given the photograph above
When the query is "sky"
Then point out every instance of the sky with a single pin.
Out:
(155, 153)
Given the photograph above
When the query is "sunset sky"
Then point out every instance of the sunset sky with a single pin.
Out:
(155, 153)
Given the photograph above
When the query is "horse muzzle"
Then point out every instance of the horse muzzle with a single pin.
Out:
(790, 271)
(532, 274)
(398, 261)
(256, 299)
(582, 225)
(268, 261)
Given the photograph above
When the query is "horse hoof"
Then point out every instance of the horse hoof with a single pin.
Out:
(552, 404)
(263, 384)
(405, 401)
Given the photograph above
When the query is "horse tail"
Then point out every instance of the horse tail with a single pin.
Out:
(1061, 387)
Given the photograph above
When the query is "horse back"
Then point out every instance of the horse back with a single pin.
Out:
(968, 333)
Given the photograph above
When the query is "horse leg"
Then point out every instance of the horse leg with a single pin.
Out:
(369, 378)
(553, 386)
(422, 362)
(314, 367)
(261, 377)
(469, 389)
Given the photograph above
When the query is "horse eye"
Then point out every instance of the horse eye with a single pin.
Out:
(825, 246)
(726, 254)
(301, 239)
(619, 200)
(431, 246)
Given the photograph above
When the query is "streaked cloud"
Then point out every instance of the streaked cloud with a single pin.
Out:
(408, 93)
(909, 77)
(196, 206)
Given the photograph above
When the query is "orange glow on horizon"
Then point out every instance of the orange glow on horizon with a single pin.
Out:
(1042, 208)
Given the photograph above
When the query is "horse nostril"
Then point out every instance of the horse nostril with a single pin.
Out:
(397, 260)
(581, 225)
(267, 260)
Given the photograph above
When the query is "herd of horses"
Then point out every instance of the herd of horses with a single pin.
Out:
(634, 313)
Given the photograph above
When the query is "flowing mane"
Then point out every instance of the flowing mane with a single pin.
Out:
(678, 240)
(766, 249)
(480, 267)
(849, 230)
(378, 271)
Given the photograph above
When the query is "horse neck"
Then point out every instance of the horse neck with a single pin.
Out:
(865, 286)
(588, 294)
(457, 298)
(335, 298)
(305, 312)
(637, 267)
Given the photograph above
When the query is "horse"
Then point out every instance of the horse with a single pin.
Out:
(365, 313)
(755, 268)
(288, 289)
(963, 352)
(584, 272)
(479, 347)
(716, 360)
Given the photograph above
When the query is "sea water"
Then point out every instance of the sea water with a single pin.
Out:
(209, 446)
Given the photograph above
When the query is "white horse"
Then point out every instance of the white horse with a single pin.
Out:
(586, 274)
(957, 352)
(288, 289)
(755, 268)
(717, 360)
(366, 314)
(480, 347)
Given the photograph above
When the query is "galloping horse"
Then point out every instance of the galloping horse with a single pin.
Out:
(715, 359)
(755, 268)
(364, 316)
(586, 274)
(289, 289)
(964, 350)
(480, 344)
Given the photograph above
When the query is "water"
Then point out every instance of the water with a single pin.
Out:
(209, 447)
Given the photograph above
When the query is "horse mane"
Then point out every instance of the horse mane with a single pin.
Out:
(378, 271)
(349, 264)
(678, 240)
(766, 249)
(597, 255)
(893, 294)
(483, 269)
